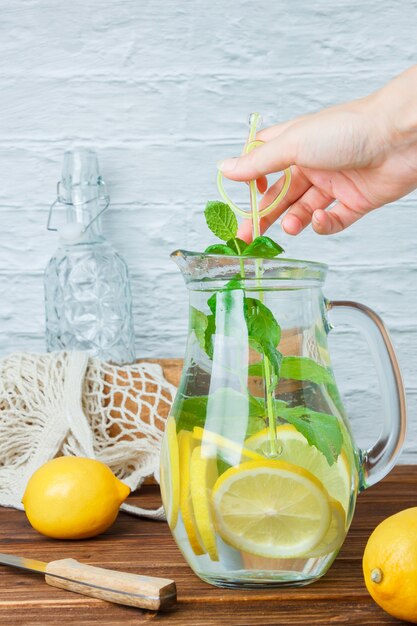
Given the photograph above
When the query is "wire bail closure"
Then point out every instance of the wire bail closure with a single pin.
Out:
(102, 196)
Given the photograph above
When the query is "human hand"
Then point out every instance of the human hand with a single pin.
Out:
(359, 156)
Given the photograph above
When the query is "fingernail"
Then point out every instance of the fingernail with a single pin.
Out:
(227, 165)
(315, 218)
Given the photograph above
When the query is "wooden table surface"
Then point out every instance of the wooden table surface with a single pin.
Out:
(141, 546)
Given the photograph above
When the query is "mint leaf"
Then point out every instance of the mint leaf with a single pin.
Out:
(263, 247)
(255, 424)
(219, 248)
(208, 335)
(198, 323)
(238, 245)
(298, 368)
(211, 303)
(222, 465)
(264, 334)
(256, 369)
(210, 330)
(320, 429)
(221, 220)
(275, 358)
(262, 325)
(234, 283)
(303, 368)
(191, 411)
(335, 396)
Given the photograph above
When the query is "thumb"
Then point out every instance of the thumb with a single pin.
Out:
(274, 156)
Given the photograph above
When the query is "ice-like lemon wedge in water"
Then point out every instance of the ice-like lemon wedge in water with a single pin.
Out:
(296, 449)
(271, 508)
(213, 444)
(187, 444)
(203, 476)
(170, 473)
(335, 535)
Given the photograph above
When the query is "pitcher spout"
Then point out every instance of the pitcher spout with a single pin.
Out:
(217, 268)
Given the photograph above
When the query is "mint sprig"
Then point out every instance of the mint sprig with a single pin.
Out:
(321, 430)
(223, 223)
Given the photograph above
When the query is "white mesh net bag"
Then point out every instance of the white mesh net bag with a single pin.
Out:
(66, 403)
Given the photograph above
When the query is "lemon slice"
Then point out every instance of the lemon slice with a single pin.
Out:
(203, 476)
(271, 508)
(170, 473)
(213, 443)
(186, 444)
(336, 478)
(336, 534)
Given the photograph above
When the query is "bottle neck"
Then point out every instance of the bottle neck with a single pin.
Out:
(86, 215)
(83, 192)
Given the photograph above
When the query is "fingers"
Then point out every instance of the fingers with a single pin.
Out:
(299, 185)
(277, 153)
(299, 215)
(273, 156)
(307, 210)
(266, 134)
(262, 184)
(337, 219)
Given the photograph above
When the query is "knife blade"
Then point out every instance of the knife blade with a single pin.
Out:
(148, 592)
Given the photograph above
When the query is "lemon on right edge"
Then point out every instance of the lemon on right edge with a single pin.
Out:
(390, 565)
(271, 508)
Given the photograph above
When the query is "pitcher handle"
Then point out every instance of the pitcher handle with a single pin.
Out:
(378, 460)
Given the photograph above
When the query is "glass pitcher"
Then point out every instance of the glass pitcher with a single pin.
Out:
(259, 470)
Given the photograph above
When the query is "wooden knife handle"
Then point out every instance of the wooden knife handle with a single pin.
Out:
(146, 592)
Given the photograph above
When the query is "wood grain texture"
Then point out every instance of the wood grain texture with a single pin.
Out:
(146, 547)
(172, 368)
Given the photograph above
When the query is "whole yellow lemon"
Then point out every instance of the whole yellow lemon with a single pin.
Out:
(73, 498)
(390, 565)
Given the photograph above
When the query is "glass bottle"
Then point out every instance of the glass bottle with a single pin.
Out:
(88, 301)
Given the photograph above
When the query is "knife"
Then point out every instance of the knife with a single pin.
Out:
(146, 592)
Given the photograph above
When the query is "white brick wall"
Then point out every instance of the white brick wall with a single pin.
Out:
(163, 89)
